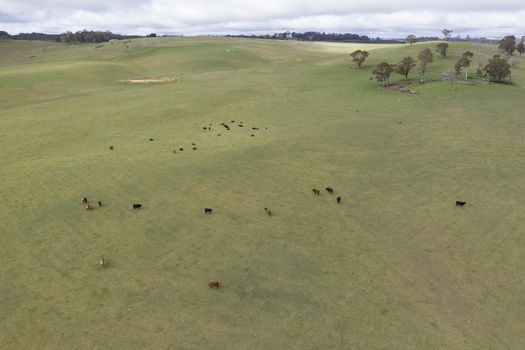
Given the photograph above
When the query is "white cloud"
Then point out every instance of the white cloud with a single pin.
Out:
(386, 18)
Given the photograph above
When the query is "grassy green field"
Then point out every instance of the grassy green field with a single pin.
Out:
(394, 266)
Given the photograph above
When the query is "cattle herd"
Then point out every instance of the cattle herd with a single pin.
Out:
(215, 284)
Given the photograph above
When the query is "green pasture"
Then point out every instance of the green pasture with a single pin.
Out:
(394, 266)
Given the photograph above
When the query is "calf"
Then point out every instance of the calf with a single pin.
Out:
(460, 203)
(208, 210)
(338, 199)
(329, 190)
(316, 191)
(137, 206)
(268, 211)
(214, 284)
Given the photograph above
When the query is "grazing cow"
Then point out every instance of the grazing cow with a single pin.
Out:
(174, 151)
(193, 144)
(338, 199)
(151, 139)
(460, 203)
(137, 206)
(329, 190)
(209, 129)
(194, 148)
(103, 263)
(99, 203)
(316, 191)
(214, 284)
(268, 211)
(208, 210)
(233, 121)
(111, 148)
(204, 128)
(88, 206)
(181, 149)
(252, 135)
(84, 200)
(240, 125)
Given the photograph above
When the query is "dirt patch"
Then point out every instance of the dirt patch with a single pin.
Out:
(148, 80)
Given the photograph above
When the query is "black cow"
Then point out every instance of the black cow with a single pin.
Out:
(194, 148)
(151, 139)
(137, 206)
(338, 199)
(181, 149)
(208, 210)
(460, 203)
(111, 147)
(329, 190)
(84, 200)
(99, 203)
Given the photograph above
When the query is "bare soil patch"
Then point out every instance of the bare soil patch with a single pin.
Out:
(149, 80)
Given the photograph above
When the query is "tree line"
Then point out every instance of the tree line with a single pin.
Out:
(79, 37)
(318, 36)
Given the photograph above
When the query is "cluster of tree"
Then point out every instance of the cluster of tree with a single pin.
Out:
(509, 45)
(383, 70)
(497, 69)
(90, 36)
(317, 36)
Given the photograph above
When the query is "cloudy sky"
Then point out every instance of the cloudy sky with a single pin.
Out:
(385, 18)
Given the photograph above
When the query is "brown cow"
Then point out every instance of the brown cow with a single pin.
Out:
(215, 284)
(88, 206)
(316, 191)
(268, 211)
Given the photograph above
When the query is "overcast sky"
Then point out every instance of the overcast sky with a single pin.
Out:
(385, 18)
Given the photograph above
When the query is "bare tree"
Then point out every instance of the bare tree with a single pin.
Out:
(424, 57)
(450, 75)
